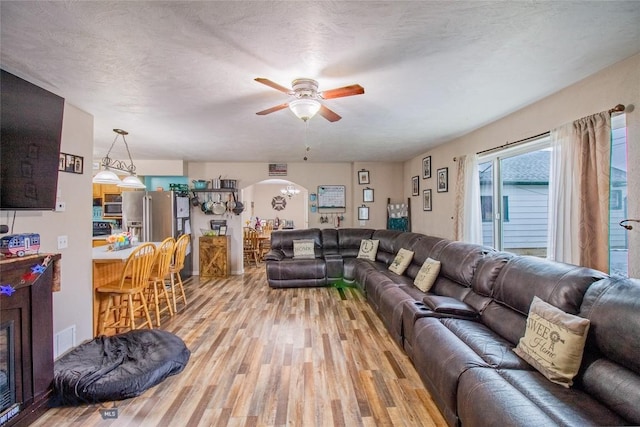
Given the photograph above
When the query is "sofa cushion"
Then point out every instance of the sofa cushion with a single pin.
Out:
(401, 261)
(427, 275)
(553, 342)
(368, 249)
(303, 249)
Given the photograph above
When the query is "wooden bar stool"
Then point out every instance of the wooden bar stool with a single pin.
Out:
(179, 254)
(157, 291)
(121, 299)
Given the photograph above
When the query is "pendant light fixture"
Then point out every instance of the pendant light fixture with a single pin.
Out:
(107, 176)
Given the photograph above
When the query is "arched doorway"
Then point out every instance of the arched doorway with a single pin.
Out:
(276, 201)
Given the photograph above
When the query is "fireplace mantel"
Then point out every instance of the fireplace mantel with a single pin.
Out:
(26, 303)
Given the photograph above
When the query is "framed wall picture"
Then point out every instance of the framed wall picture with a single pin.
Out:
(367, 195)
(415, 185)
(71, 163)
(426, 167)
(443, 180)
(363, 213)
(363, 177)
(426, 200)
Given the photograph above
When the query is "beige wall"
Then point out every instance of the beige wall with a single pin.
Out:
(618, 84)
(72, 306)
(386, 180)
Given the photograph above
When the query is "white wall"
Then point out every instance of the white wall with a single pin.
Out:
(72, 306)
(618, 84)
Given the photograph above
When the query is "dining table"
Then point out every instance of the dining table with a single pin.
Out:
(107, 267)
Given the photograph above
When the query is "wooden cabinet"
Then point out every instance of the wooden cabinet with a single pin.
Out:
(215, 256)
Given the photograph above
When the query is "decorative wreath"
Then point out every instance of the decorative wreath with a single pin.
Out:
(278, 203)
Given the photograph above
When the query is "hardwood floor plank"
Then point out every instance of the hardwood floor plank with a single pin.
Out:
(275, 357)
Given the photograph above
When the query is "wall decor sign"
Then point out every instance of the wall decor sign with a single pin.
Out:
(70, 163)
(277, 169)
(367, 195)
(363, 177)
(278, 203)
(415, 185)
(426, 200)
(426, 167)
(443, 180)
(363, 213)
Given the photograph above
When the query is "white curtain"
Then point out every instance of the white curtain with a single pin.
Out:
(468, 223)
(579, 192)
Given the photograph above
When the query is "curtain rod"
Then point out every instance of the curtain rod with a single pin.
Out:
(617, 109)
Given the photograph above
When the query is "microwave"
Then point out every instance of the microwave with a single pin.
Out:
(112, 209)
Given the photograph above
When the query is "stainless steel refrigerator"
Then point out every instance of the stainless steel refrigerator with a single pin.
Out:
(153, 216)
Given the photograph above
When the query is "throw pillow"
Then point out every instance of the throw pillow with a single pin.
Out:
(553, 342)
(303, 249)
(368, 249)
(427, 275)
(401, 261)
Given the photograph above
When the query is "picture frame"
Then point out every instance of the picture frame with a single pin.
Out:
(367, 195)
(426, 200)
(71, 163)
(443, 180)
(363, 177)
(415, 185)
(426, 167)
(363, 213)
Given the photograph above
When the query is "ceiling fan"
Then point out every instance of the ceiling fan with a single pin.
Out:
(306, 98)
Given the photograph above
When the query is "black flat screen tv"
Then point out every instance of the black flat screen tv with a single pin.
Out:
(31, 131)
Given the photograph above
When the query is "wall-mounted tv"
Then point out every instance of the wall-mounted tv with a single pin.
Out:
(31, 119)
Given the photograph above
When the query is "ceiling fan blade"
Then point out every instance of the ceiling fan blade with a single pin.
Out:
(328, 114)
(273, 85)
(273, 109)
(342, 91)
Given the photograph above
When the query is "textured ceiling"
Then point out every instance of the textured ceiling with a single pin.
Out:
(179, 76)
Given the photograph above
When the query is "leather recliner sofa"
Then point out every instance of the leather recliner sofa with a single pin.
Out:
(461, 334)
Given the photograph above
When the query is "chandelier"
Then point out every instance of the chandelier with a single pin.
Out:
(107, 176)
(289, 191)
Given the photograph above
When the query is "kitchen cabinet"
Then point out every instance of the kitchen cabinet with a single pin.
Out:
(215, 256)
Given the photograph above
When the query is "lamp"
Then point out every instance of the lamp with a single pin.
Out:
(289, 191)
(304, 108)
(107, 176)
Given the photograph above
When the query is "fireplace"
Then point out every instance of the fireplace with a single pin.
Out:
(26, 339)
(8, 406)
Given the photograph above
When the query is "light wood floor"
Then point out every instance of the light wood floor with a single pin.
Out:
(275, 357)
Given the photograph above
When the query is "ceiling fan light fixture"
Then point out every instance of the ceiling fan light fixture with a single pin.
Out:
(304, 108)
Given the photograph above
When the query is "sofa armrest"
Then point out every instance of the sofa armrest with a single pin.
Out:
(274, 255)
(334, 266)
(449, 306)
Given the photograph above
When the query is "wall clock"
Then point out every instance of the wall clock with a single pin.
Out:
(278, 203)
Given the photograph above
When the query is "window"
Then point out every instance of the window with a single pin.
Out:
(486, 204)
(618, 236)
(518, 177)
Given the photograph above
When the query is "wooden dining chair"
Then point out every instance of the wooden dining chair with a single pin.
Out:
(157, 291)
(176, 290)
(250, 248)
(122, 299)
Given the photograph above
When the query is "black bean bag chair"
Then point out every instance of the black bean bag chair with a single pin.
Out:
(117, 367)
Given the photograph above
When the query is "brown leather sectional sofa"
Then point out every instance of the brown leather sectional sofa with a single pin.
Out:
(461, 334)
